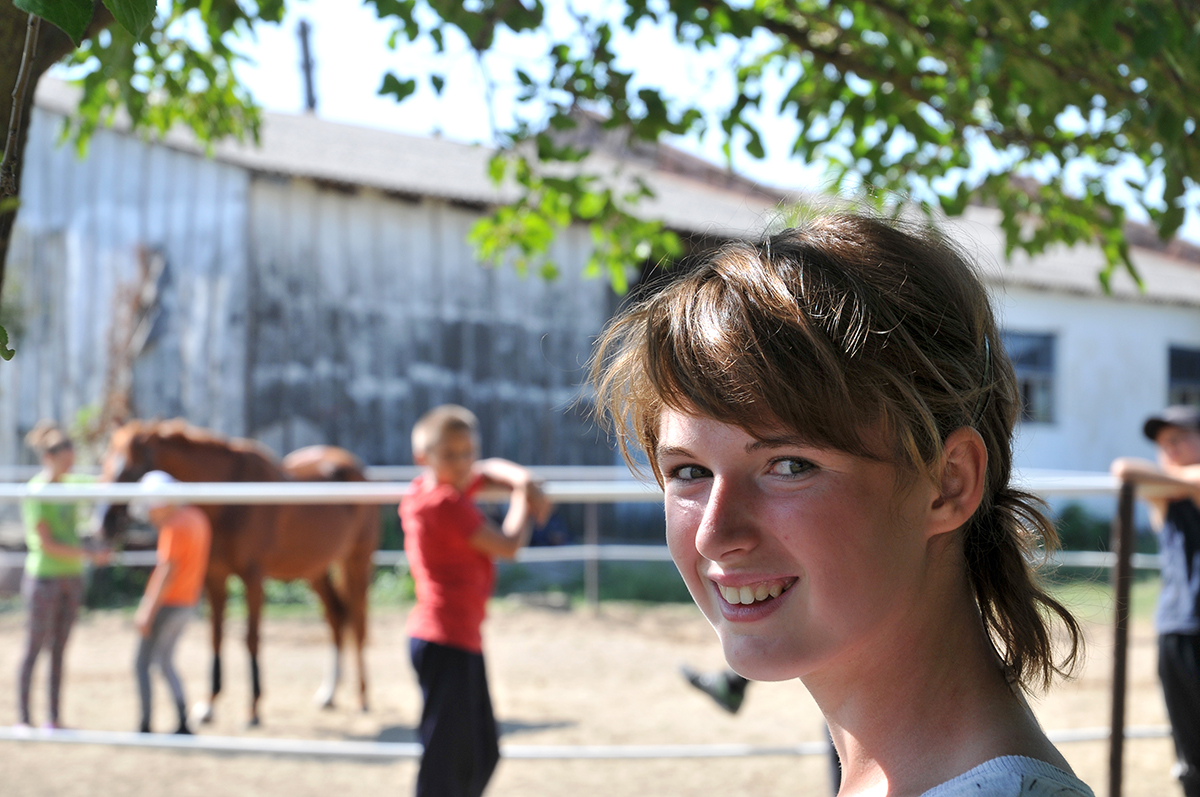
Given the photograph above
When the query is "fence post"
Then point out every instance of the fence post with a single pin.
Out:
(1122, 578)
(591, 565)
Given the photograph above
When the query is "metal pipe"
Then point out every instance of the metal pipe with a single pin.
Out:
(1122, 579)
(591, 566)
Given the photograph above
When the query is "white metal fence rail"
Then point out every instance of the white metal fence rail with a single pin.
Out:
(588, 486)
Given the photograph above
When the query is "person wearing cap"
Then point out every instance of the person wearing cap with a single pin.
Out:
(184, 537)
(1176, 516)
(52, 586)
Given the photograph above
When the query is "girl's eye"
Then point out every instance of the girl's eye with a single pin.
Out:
(689, 473)
(791, 467)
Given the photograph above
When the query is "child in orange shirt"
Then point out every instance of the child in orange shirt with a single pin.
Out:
(184, 537)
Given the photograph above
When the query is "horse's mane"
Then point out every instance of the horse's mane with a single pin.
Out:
(178, 430)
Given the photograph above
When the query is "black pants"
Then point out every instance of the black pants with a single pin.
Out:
(1179, 670)
(458, 730)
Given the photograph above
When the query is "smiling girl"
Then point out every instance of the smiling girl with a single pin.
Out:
(830, 414)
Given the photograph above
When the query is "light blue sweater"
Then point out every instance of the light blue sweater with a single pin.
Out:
(1012, 776)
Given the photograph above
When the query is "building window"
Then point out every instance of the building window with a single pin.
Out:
(1183, 383)
(1032, 357)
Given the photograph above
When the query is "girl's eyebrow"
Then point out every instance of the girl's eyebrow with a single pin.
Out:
(780, 441)
(671, 451)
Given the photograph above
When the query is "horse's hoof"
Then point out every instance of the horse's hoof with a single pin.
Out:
(254, 722)
(201, 714)
(324, 698)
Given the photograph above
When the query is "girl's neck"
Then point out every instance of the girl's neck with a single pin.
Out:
(931, 704)
(53, 473)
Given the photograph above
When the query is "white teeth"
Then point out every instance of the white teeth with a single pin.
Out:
(748, 595)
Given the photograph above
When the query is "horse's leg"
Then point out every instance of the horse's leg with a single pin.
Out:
(214, 584)
(255, 597)
(335, 616)
(358, 571)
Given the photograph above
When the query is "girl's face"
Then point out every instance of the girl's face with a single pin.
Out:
(801, 557)
(59, 459)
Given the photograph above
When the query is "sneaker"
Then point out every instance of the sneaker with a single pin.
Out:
(183, 730)
(725, 688)
(51, 725)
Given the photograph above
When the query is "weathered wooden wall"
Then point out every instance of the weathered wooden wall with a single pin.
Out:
(291, 311)
(368, 309)
(74, 259)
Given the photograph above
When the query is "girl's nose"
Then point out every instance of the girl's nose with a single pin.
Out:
(727, 528)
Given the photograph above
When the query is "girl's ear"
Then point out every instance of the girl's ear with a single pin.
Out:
(963, 474)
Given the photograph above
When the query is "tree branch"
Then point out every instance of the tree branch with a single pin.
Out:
(8, 167)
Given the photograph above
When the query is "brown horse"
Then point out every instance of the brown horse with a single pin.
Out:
(257, 541)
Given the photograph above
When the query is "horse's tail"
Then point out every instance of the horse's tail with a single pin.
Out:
(346, 472)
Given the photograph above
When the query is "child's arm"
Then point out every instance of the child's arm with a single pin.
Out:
(503, 473)
(152, 599)
(55, 548)
(507, 474)
(1157, 485)
(64, 551)
(513, 534)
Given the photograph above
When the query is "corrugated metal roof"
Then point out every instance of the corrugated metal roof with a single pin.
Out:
(1166, 278)
(307, 146)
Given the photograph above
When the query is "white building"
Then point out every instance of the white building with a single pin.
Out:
(1093, 366)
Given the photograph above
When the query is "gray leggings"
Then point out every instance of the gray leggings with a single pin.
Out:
(53, 604)
(158, 648)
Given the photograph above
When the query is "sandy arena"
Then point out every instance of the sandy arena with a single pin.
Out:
(558, 677)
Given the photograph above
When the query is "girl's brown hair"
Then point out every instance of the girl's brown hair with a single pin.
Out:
(845, 324)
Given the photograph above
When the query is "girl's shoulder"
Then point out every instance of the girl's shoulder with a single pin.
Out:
(1013, 776)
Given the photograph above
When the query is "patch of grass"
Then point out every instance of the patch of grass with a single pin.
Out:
(655, 582)
(1089, 595)
(116, 587)
(650, 582)
(392, 586)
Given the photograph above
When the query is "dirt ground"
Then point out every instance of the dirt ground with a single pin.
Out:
(559, 677)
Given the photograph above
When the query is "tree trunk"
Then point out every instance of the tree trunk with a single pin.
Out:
(53, 46)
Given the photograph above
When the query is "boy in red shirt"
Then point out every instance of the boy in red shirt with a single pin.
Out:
(451, 547)
(184, 537)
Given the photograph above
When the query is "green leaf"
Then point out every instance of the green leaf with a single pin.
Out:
(591, 204)
(72, 16)
(5, 352)
(1172, 219)
(400, 89)
(133, 15)
(497, 167)
(438, 82)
